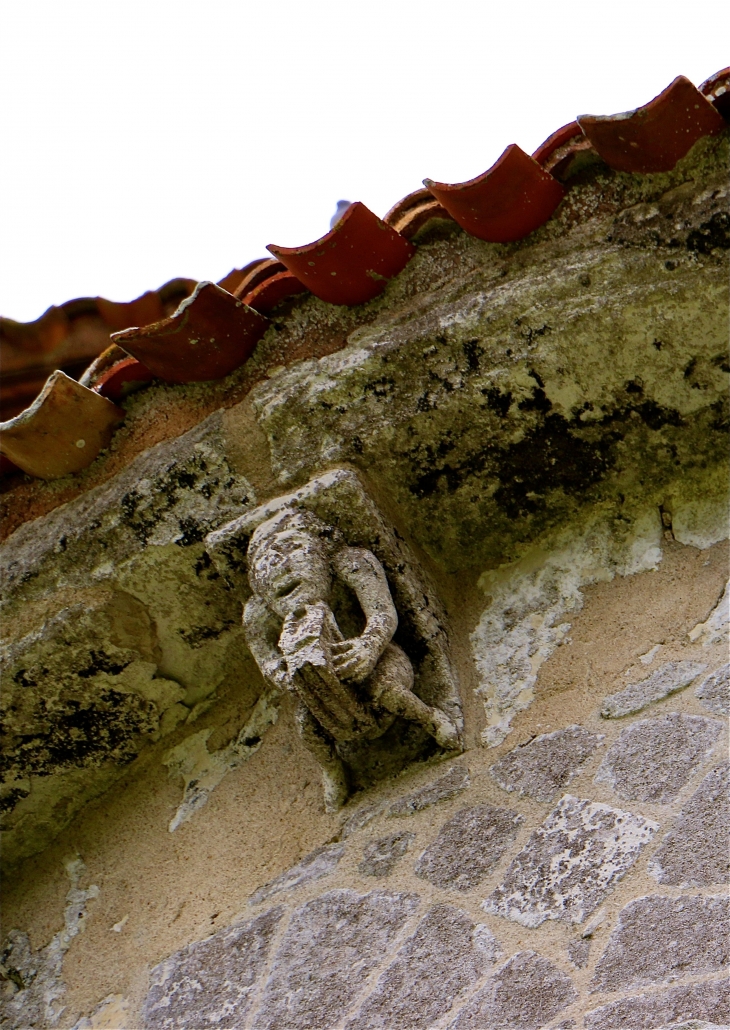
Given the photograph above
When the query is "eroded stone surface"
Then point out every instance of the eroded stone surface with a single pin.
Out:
(714, 691)
(709, 1001)
(526, 993)
(444, 958)
(211, 983)
(660, 938)
(667, 680)
(696, 851)
(452, 783)
(329, 949)
(570, 863)
(380, 856)
(468, 846)
(544, 766)
(578, 952)
(360, 818)
(653, 759)
(314, 866)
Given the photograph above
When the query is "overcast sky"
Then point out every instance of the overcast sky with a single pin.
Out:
(147, 139)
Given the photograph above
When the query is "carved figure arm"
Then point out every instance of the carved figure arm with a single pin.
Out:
(362, 572)
(262, 633)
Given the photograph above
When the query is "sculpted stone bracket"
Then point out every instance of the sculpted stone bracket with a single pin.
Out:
(338, 613)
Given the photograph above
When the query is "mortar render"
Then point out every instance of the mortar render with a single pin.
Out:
(544, 425)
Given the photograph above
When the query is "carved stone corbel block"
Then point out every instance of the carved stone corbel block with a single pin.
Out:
(337, 612)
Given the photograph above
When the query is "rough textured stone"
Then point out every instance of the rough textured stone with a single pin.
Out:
(570, 862)
(545, 765)
(444, 958)
(709, 1001)
(578, 952)
(360, 818)
(380, 857)
(468, 846)
(696, 851)
(211, 983)
(330, 948)
(452, 783)
(665, 681)
(314, 866)
(658, 939)
(526, 993)
(653, 759)
(714, 691)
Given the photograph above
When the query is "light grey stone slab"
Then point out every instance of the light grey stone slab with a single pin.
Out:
(714, 691)
(665, 681)
(578, 952)
(526, 993)
(653, 759)
(543, 767)
(329, 950)
(360, 818)
(658, 939)
(211, 983)
(452, 783)
(570, 863)
(708, 1001)
(314, 866)
(445, 957)
(696, 851)
(380, 856)
(468, 846)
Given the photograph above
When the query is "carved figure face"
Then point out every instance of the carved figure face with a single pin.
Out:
(288, 564)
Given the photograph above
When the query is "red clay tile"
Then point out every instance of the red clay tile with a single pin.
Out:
(142, 311)
(506, 203)
(209, 336)
(717, 90)
(123, 378)
(654, 137)
(353, 262)
(62, 431)
(566, 152)
(264, 297)
(256, 273)
(411, 214)
(38, 337)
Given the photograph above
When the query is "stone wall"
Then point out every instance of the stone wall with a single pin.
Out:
(544, 426)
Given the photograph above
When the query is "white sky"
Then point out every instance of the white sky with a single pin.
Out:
(146, 139)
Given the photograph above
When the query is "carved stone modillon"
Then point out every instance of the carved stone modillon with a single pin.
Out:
(321, 624)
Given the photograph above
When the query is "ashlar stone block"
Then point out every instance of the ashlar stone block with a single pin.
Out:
(445, 957)
(696, 851)
(543, 767)
(314, 866)
(659, 938)
(468, 846)
(570, 863)
(380, 856)
(653, 759)
(211, 983)
(329, 950)
(714, 691)
(668, 679)
(448, 786)
(708, 1001)
(526, 993)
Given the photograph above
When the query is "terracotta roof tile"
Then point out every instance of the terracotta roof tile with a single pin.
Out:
(213, 332)
(353, 262)
(717, 90)
(654, 137)
(272, 291)
(507, 202)
(63, 430)
(209, 336)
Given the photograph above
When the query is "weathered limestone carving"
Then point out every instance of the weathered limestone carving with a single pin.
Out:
(321, 624)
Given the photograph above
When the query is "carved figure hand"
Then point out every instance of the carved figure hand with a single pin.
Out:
(355, 659)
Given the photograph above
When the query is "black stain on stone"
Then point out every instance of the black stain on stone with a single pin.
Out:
(100, 662)
(713, 234)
